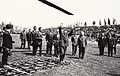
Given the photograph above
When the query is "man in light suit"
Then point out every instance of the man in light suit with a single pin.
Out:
(23, 38)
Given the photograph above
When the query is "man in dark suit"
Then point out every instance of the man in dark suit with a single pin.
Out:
(39, 40)
(7, 43)
(28, 36)
(82, 43)
(114, 43)
(74, 44)
(49, 40)
(101, 44)
(33, 41)
(56, 44)
(110, 45)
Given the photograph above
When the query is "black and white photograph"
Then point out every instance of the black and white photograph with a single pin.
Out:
(59, 37)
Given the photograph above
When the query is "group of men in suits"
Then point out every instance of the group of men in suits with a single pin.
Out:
(36, 40)
(80, 42)
(33, 38)
(107, 39)
(58, 39)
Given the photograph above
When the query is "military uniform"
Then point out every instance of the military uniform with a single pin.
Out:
(63, 44)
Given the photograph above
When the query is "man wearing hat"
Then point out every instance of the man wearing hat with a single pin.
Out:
(7, 43)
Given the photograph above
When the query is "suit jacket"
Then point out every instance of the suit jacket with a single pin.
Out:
(38, 38)
(28, 36)
(7, 40)
(23, 36)
(49, 37)
(56, 40)
(64, 41)
(33, 35)
(102, 41)
(114, 42)
(82, 41)
(74, 40)
(110, 42)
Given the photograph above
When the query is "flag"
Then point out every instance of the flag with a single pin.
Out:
(94, 22)
(85, 23)
(114, 20)
(100, 22)
(108, 21)
(105, 22)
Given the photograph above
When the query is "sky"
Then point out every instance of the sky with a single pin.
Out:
(29, 13)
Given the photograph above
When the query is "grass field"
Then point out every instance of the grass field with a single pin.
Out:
(91, 65)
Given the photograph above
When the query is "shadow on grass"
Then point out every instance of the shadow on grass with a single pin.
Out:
(116, 56)
(20, 51)
(20, 48)
(1, 65)
(68, 54)
(44, 54)
(73, 57)
(113, 74)
(29, 53)
(98, 55)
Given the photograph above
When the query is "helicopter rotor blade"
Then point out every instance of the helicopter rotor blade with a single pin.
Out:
(55, 6)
